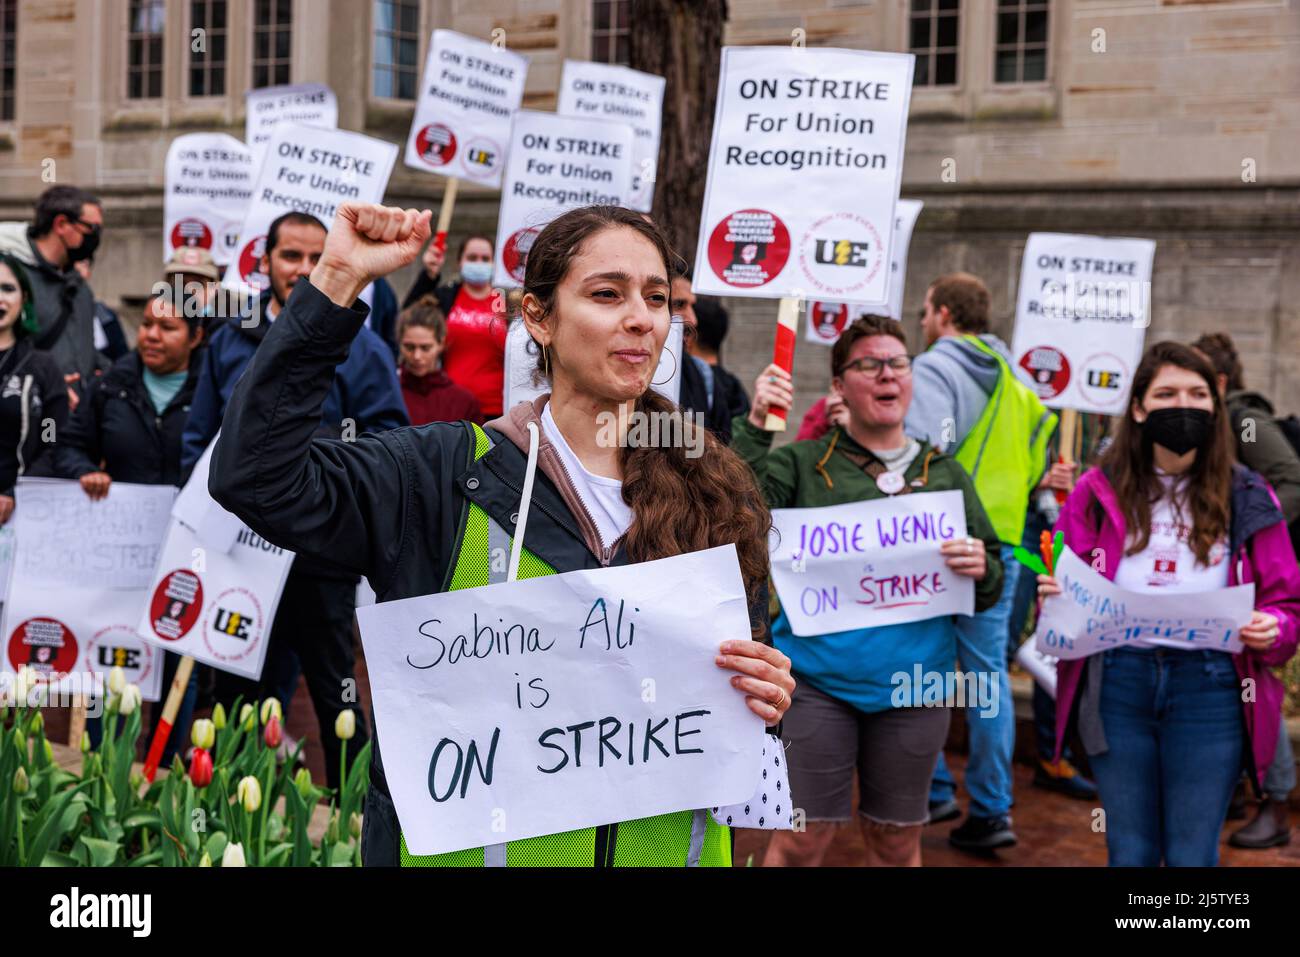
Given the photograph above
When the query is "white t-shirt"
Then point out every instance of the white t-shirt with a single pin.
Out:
(602, 496)
(1167, 564)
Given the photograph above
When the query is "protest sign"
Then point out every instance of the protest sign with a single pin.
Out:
(208, 186)
(311, 171)
(804, 173)
(214, 606)
(521, 363)
(827, 320)
(81, 572)
(216, 528)
(306, 104)
(545, 705)
(1081, 318)
(556, 163)
(6, 559)
(468, 93)
(864, 564)
(1092, 615)
(611, 92)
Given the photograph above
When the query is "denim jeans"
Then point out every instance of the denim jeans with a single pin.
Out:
(982, 647)
(1279, 780)
(1175, 739)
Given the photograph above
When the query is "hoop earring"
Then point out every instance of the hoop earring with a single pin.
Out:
(546, 362)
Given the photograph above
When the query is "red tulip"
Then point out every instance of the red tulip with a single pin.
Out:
(201, 768)
(271, 733)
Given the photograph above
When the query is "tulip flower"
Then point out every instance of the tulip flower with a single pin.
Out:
(345, 725)
(21, 784)
(219, 716)
(275, 828)
(271, 707)
(249, 793)
(48, 750)
(201, 768)
(37, 725)
(203, 733)
(205, 860)
(116, 679)
(354, 824)
(129, 701)
(302, 781)
(271, 733)
(332, 832)
(248, 717)
(233, 856)
(85, 742)
(136, 780)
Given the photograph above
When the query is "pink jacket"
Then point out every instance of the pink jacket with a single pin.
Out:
(1261, 553)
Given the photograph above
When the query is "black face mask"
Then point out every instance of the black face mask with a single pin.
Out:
(89, 243)
(1178, 429)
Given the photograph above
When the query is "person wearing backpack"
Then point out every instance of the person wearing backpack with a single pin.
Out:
(1262, 445)
(968, 402)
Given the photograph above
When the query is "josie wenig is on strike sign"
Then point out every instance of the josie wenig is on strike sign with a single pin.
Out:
(804, 174)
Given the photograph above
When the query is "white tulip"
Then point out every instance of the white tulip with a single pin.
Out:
(233, 856)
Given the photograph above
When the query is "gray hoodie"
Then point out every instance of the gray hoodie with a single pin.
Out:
(951, 384)
(74, 350)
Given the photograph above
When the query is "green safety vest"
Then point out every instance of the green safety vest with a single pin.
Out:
(682, 838)
(1012, 435)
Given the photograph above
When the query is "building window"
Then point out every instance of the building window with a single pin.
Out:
(611, 26)
(1021, 54)
(144, 42)
(934, 30)
(272, 29)
(397, 47)
(208, 64)
(8, 55)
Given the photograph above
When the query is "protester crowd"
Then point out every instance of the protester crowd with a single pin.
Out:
(1196, 487)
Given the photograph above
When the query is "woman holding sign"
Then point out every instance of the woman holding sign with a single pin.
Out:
(416, 508)
(850, 709)
(1168, 730)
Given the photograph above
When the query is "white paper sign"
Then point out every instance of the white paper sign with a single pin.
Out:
(81, 575)
(215, 607)
(1092, 615)
(6, 559)
(1081, 317)
(865, 564)
(520, 364)
(468, 93)
(610, 92)
(556, 163)
(804, 172)
(195, 507)
(540, 706)
(828, 320)
(311, 171)
(306, 104)
(209, 184)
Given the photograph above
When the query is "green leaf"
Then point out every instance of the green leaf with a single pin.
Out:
(277, 855)
(59, 859)
(53, 822)
(145, 860)
(341, 855)
(216, 846)
(102, 853)
(136, 819)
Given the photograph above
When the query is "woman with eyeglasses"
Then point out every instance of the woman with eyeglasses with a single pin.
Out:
(847, 717)
(33, 396)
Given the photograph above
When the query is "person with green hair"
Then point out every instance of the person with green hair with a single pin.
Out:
(33, 396)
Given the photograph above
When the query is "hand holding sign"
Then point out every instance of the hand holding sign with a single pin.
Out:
(773, 389)
(965, 556)
(1261, 632)
(367, 241)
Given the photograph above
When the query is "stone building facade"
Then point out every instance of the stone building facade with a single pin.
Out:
(1174, 120)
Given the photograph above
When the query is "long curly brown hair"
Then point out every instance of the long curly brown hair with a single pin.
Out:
(1129, 463)
(679, 503)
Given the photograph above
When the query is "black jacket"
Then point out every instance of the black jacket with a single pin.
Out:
(387, 505)
(729, 398)
(446, 294)
(36, 378)
(117, 425)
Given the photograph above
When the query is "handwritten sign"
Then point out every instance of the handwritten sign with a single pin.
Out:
(81, 572)
(865, 564)
(1092, 615)
(541, 706)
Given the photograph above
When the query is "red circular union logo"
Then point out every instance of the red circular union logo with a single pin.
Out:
(46, 644)
(176, 604)
(436, 144)
(1049, 368)
(191, 232)
(749, 248)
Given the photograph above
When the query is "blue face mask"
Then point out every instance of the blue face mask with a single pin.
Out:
(477, 273)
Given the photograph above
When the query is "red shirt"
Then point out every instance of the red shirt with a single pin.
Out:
(435, 398)
(475, 354)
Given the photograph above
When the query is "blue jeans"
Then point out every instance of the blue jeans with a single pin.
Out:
(1174, 737)
(982, 647)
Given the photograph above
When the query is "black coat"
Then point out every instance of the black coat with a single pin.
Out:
(117, 425)
(36, 378)
(729, 398)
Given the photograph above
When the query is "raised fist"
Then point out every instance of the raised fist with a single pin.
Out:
(366, 242)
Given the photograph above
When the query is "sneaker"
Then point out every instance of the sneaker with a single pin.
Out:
(983, 833)
(1063, 777)
(941, 811)
(1270, 828)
